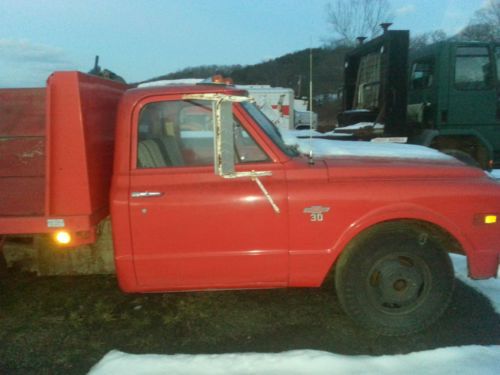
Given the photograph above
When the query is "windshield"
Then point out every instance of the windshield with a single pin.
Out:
(269, 128)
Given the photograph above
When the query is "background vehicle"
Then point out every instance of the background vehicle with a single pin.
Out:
(204, 194)
(277, 103)
(451, 100)
(280, 106)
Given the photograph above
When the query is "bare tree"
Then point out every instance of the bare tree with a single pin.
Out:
(420, 41)
(489, 14)
(350, 19)
(482, 32)
(485, 25)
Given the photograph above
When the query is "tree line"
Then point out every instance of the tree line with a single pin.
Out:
(292, 70)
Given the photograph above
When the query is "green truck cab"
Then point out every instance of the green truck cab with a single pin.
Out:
(445, 96)
(454, 99)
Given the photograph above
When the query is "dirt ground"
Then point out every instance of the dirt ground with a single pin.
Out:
(64, 325)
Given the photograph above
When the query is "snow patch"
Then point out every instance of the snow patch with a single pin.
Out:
(475, 359)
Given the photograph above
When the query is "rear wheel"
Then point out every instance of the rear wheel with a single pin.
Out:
(395, 279)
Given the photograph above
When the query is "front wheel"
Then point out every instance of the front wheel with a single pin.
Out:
(395, 279)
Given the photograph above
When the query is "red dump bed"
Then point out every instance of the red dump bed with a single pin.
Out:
(56, 153)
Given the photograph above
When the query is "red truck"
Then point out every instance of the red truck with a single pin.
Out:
(203, 194)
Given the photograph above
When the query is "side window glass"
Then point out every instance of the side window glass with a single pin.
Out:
(180, 133)
(247, 151)
(196, 134)
(472, 68)
(368, 82)
(422, 75)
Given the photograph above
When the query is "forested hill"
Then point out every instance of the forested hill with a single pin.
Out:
(291, 70)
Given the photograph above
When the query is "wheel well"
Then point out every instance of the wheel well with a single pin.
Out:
(468, 144)
(437, 233)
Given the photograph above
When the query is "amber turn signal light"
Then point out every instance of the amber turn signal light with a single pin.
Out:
(62, 237)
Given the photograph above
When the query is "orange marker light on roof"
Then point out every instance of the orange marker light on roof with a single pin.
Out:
(217, 79)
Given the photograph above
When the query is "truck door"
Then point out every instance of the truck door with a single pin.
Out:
(472, 95)
(192, 229)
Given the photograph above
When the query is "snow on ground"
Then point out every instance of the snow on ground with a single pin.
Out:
(473, 359)
(328, 147)
(456, 360)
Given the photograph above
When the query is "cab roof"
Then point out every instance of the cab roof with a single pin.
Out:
(136, 94)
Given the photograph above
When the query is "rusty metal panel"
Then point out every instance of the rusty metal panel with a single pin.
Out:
(21, 196)
(22, 152)
(22, 156)
(22, 112)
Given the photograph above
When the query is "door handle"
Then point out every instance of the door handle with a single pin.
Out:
(146, 194)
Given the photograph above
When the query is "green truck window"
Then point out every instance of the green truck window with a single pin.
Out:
(472, 68)
(422, 74)
(368, 82)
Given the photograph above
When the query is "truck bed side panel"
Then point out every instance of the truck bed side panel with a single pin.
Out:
(56, 153)
(22, 112)
(22, 151)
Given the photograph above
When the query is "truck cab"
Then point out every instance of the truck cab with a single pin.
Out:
(454, 99)
(178, 224)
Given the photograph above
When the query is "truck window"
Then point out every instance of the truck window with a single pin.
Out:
(269, 128)
(422, 74)
(368, 82)
(180, 133)
(472, 68)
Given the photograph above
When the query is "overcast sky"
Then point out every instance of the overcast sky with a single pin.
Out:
(140, 39)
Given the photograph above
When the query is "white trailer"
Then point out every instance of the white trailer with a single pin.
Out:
(277, 103)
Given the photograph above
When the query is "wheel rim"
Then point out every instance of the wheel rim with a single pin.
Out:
(398, 283)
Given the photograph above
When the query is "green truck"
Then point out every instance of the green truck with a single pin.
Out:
(445, 95)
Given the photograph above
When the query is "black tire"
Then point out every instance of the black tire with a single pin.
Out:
(395, 279)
